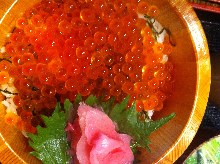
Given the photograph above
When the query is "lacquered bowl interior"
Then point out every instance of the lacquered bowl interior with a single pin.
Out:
(192, 82)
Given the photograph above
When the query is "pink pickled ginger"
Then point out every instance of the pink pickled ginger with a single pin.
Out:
(100, 143)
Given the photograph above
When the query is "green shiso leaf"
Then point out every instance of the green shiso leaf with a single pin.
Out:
(91, 100)
(128, 122)
(50, 143)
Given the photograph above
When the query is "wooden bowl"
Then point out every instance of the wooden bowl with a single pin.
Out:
(192, 83)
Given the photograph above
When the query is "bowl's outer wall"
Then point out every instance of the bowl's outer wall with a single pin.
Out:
(191, 89)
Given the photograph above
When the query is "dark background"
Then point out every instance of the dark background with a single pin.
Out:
(210, 125)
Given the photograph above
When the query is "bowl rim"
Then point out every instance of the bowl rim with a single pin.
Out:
(202, 84)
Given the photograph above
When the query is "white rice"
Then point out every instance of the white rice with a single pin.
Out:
(8, 102)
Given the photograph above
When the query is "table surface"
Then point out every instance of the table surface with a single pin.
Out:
(210, 125)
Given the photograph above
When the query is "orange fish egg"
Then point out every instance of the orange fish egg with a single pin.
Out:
(59, 50)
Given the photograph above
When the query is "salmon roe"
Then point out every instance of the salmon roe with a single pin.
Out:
(63, 48)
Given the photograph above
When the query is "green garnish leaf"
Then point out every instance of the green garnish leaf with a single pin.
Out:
(107, 106)
(91, 100)
(78, 99)
(50, 143)
(128, 122)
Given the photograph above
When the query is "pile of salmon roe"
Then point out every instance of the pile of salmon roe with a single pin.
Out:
(60, 48)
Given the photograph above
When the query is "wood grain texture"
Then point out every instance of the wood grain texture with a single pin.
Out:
(191, 90)
(13, 146)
